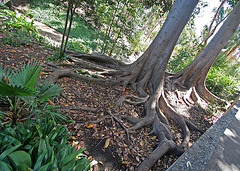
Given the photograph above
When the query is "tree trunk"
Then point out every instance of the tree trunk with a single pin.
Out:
(65, 29)
(194, 74)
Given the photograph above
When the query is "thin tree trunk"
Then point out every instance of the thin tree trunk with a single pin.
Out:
(64, 32)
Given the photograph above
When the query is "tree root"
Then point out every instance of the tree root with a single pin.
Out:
(165, 145)
(80, 108)
(53, 77)
(121, 124)
(99, 58)
(133, 100)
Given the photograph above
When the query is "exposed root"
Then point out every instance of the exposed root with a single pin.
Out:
(168, 110)
(133, 100)
(80, 108)
(159, 152)
(165, 145)
(99, 58)
(53, 77)
(121, 124)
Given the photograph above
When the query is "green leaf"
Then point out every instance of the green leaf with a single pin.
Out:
(39, 160)
(41, 147)
(69, 166)
(48, 90)
(5, 167)
(20, 159)
(8, 151)
(27, 75)
(83, 164)
(71, 157)
(10, 90)
(44, 167)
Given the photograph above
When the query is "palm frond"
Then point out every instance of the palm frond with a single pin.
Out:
(14, 90)
(48, 90)
(27, 75)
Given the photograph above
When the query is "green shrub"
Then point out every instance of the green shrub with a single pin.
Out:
(21, 87)
(39, 145)
(221, 84)
(12, 20)
(77, 45)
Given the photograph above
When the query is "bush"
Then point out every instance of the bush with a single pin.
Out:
(39, 145)
(17, 31)
(20, 88)
(221, 84)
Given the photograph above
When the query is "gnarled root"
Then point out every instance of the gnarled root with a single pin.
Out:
(134, 100)
(165, 145)
(54, 76)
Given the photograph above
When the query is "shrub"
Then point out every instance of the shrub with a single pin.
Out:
(39, 145)
(20, 88)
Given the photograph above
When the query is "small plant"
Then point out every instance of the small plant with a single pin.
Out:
(75, 44)
(21, 89)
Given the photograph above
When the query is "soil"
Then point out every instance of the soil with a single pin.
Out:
(106, 140)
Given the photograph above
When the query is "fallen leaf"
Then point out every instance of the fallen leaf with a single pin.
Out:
(107, 142)
(22, 56)
(14, 51)
(153, 138)
(6, 79)
(74, 138)
(65, 104)
(50, 102)
(90, 125)
(189, 164)
(125, 162)
(100, 162)
(74, 143)
(33, 57)
(90, 158)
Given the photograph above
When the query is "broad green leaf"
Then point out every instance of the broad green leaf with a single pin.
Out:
(8, 151)
(69, 166)
(20, 159)
(27, 75)
(44, 167)
(39, 160)
(5, 167)
(71, 157)
(10, 90)
(83, 164)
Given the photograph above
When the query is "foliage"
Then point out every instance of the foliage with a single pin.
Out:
(221, 81)
(12, 20)
(185, 50)
(17, 30)
(21, 88)
(39, 145)
(75, 44)
(53, 13)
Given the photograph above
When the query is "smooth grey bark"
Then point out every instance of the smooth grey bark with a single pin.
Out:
(195, 73)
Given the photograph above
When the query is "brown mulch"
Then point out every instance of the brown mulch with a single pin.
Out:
(105, 141)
